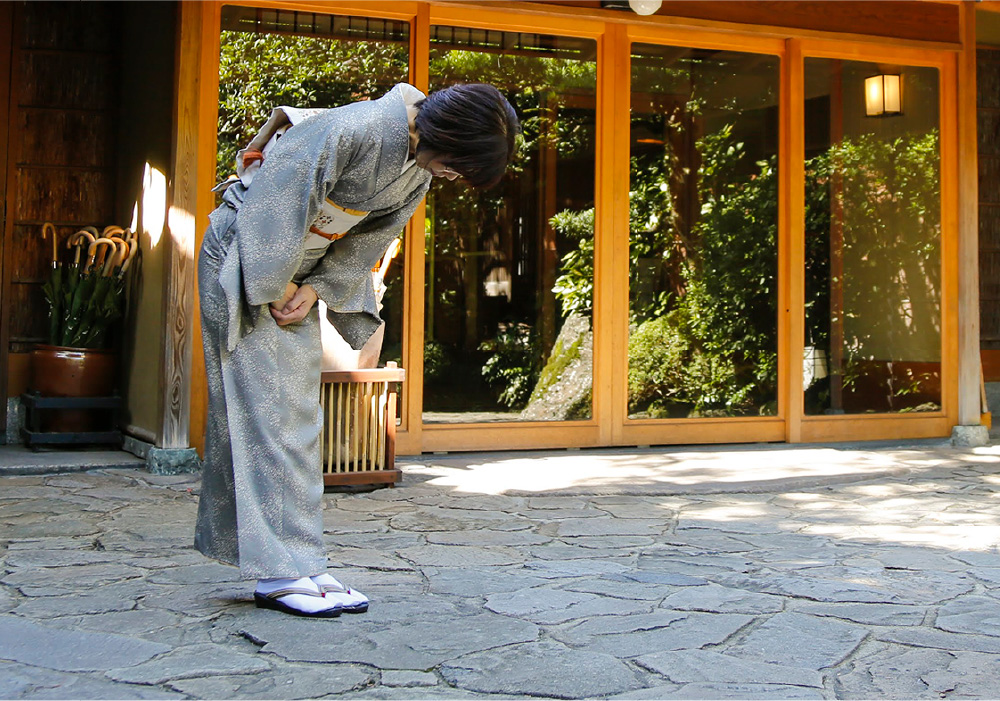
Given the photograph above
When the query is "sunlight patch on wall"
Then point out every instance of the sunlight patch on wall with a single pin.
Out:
(150, 210)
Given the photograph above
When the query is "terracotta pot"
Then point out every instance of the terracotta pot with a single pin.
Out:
(58, 371)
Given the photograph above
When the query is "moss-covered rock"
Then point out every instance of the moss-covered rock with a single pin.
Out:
(564, 387)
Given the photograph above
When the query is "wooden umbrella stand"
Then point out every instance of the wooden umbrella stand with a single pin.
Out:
(358, 441)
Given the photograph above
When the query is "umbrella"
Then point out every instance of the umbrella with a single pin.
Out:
(53, 288)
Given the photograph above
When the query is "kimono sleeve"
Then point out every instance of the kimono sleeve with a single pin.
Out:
(343, 277)
(284, 199)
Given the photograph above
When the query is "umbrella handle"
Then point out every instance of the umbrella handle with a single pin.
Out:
(92, 251)
(46, 227)
(77, 240)
(133, 249)
(115, 257)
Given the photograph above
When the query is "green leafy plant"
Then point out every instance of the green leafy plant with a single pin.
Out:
(512, 367)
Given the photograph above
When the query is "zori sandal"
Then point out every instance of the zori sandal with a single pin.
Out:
(304, 600)
(350, 600)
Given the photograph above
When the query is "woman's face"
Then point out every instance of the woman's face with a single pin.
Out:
(435, 165)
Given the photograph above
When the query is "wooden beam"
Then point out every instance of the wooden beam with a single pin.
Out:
(968, 226)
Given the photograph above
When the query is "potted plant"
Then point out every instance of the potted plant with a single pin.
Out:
(86, 298)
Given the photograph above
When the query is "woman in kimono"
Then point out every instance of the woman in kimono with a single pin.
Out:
(320, 196)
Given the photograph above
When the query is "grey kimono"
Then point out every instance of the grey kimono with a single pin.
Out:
(262, 482)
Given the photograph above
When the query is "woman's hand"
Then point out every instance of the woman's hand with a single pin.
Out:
(294, 304)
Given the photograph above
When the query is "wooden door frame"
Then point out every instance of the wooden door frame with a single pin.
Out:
(613, 31)
(904, 426)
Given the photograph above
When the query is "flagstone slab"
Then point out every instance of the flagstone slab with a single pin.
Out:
(714, 598)
(622, 588)
(967, 675)
(970, 614)
(744, 692)
(408, 678)
(199, 599)
(113, 597)
(429, 519)
(190, 662)
(24, 681)
(635, 508)
(138, 622)
(643, 634)
(612, 543)
(382, 542)
(942, 640)
(799, 640)
(543, 668)
(696, 666)
(479, 582)
(977, 558)
(59, 558)
(869, 614)
(611, 526)
(559, 569)
(488, 538)
(65, 527)
(420, 644)
(461, 556)
(649, 693)
(560, 550)
(883, 671)
(66, 650)
(550, 606)
(857, 585)
(56, 581)
(206, 573)
(367, 558)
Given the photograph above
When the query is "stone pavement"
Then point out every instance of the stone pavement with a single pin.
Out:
(776, 572)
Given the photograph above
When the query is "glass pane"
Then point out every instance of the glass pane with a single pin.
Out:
(873, 239)
(510, 270)
(271, 57)
(703, 227)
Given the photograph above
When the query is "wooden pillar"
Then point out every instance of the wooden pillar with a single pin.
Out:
(187, 207)
(969, 407)
(791, 241)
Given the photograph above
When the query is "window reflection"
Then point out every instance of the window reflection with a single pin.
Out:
(873, 243)
(703, 233)
(271, 57)
(510, 271)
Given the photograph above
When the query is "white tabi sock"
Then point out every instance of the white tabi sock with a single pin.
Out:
(333, 590)
(307, 602)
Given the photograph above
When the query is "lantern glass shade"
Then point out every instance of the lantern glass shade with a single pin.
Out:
(883, 95)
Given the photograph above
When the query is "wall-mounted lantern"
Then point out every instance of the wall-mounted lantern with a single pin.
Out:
(883, 95)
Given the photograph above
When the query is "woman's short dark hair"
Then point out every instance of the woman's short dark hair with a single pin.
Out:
(471, 128)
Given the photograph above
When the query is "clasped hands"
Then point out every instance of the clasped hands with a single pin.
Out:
(294, 304)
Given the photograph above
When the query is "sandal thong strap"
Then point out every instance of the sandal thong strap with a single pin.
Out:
(278, 593)
(335, 588)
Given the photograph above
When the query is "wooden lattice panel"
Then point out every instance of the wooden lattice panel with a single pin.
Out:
(358, 441)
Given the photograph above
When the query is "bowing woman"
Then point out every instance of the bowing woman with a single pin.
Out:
(320, 195)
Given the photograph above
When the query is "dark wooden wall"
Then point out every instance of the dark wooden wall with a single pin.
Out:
(988, 113)
(60, 161)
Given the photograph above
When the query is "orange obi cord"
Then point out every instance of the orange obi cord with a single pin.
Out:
(328, 237)
(251, 157)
